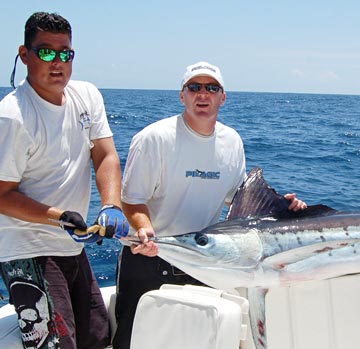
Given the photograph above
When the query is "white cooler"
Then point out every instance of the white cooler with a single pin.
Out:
(189, 317)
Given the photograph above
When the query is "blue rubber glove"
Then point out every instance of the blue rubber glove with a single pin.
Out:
(114, 221)
(78, 231)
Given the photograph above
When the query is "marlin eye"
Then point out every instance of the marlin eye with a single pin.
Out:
(201, 239)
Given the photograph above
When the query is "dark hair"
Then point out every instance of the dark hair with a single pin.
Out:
(45, 22)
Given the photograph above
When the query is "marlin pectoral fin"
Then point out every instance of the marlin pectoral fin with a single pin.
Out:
(280, 260)
(256, 298)
(326, 264)
(255, 198)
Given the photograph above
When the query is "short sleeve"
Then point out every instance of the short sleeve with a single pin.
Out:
(14, 150)
(142, 171)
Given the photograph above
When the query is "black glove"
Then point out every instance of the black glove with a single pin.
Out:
(77, 227)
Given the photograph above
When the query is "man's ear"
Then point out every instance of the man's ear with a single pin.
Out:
(223, 99)
(23, 52)
(182, 97)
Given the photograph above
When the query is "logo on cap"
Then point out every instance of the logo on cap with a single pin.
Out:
(203, 67)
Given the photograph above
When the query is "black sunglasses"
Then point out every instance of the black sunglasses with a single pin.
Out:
(48, 54)
(195, 87)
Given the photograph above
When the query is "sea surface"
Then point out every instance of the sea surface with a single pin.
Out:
(306, 143)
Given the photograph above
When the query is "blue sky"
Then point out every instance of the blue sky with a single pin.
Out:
(260, 45)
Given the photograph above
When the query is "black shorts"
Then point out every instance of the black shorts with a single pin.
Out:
(138, 274)
(58, 302)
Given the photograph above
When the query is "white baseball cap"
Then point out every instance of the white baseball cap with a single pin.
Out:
(201, 69)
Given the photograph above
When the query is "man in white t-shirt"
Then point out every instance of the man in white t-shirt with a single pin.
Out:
(51, 130)
(179, 174)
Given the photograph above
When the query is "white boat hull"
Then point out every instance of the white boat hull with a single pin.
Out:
(312, 315)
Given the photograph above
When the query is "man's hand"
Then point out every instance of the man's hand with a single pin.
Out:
(113, 221)
(295, 203)
(77, 227)
(147, 247)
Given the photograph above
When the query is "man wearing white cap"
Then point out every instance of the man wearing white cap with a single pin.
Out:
(179, 174)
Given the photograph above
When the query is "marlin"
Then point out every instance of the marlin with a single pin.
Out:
(262, 244)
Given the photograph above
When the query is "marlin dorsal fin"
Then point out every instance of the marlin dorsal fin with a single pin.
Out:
(255, 198)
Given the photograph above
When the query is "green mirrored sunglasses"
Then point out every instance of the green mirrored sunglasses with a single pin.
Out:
(48, 54)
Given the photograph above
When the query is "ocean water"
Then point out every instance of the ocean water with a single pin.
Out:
(306, 143)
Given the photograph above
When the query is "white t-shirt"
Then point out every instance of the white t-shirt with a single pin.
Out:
(46, 149)
(184, 178)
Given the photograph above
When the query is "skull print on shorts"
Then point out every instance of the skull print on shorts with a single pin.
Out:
(33, 313)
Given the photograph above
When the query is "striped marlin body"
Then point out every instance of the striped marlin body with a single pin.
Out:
(262, 244)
